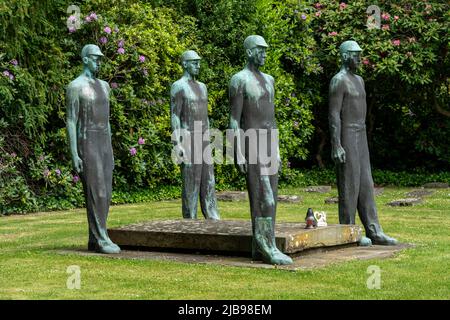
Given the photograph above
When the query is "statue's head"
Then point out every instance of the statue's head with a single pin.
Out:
(190, 61)
(350, 54)
(91, 56)
(255, 48)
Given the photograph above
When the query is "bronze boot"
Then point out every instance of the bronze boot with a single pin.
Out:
(265, 242)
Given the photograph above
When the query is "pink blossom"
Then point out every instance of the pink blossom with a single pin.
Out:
(396, 42)
(11, 77)
(396, 18)
(342, 5)
(72, 29)
(13, 155)
(107, 30)
(121, 50)
(6, 73)
(141, 141)
(303, 16)
(366, 61)
(318, 13)
(121, 43)
(317, 5)
(332, 34)
(103, 40)
(114, 85)
(58, 172)
(133, 151)
(88, 19)
(72, 19)
(141, 59)
(385, 16)
(93, 16)
(14, 62)
(76, 178)
(385, 27)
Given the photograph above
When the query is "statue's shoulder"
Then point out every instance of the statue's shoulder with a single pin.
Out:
(240, 78)
(76, 84)
(359, 78)
(177, 86)
(339, 79)
(201, 84)
(268, 77)
(104, 83)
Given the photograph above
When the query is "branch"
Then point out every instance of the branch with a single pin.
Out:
(439, 109)
(323, 139)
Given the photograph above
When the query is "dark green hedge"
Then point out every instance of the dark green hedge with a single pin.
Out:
(405, 68)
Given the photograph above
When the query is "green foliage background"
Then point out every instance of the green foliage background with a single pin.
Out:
(407, 87)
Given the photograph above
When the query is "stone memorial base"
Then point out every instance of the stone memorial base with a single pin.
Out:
(405, 202)
(378, 191)
(333, 200)
(289, 199)
(436, 185)
(236, 196)
(232, 196)
(419, 193)
(227, 236)
(318, 189)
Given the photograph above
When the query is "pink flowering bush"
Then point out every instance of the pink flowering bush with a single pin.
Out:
(139, 66)
(34, 71)
(15, 194)
(403, 65)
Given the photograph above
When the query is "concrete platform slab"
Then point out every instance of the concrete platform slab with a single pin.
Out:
(232, 236)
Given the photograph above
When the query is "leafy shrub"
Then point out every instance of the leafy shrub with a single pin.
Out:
(405, 69)
(15, 195)
(327, 176)
(405, 66)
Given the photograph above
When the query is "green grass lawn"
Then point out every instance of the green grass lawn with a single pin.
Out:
(30, 267)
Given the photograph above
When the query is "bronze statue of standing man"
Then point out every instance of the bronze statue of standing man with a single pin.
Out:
(252, 109)
(89, 134)
(347, 118)
(190, 123)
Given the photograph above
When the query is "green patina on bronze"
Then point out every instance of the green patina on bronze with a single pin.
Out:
(251, 95)
(189, 104)
(347, 119)
(89, 132)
